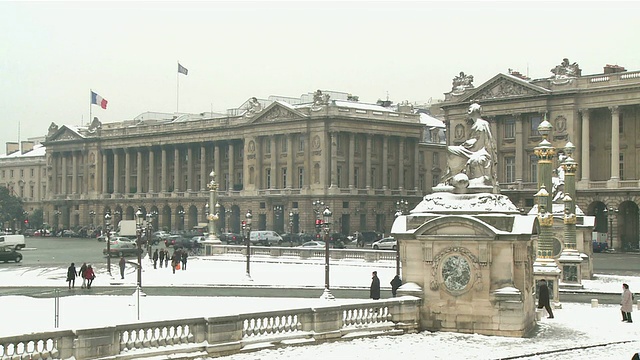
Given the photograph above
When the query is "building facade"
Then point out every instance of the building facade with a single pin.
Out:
(599, 114)
(273, 157)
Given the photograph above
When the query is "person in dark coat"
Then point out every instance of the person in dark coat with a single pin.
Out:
(89, 275)
(166, 258)
(123, 262)
(175, 260)
(184, 260)
(71, 275)
(395, 284)
(83, 268)
(543, 298)
(374, 290)
(155, 259)
(162, 254)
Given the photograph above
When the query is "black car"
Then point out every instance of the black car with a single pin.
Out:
(9, 254)
(231, 238)
(187, 243)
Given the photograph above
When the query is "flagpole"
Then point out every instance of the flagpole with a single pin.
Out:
(177, 88)
(90, 99)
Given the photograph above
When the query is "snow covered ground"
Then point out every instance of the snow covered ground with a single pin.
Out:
(584, 332)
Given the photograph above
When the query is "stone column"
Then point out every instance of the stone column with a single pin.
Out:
(416, 168)
(64, 174)
(352, 140)
(333, 159)
(105, 170)
(116, 172)
(401, 163)
(74, 172)
(259, 162)
(163, 171)
(203, 167)
(231, 165)
(274, 163)
(585, 160)
(290, 159)
(152, 171)
(615, 143)
(368, 162)
(190, 165)
(307, 162)
(520, 161)
(176, 169)
(216, 164)
(139, 171)
(127, 171)
(385, 161)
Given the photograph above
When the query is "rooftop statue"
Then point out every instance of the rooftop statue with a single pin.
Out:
(462, 82)
(566, 70)
(472, 163)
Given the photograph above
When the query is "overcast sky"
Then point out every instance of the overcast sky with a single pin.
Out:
(52, 54)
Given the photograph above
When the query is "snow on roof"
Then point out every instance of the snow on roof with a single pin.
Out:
(431, 121)
(38, 150)
(362, 106)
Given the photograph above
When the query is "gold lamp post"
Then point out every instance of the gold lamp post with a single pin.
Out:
(326, 223)
(214, 214)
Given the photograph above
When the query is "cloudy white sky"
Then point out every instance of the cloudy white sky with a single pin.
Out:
(53, 53)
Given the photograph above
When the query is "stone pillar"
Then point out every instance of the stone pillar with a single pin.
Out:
(585, 160)
(274, 163)
(116, 172)
(64, 174)
(333, 159)
(176, 169)
(385, 161)
(163, 171)
(51, 177)
(401, 163)
(291, 176)
(203, 167)
(259, 162)
(152, 171)
(190, 165)
(74, 172)
(520, 141)
(216, 163)
(231, 151)
(127, 171)
(615, 143)
(351, 160)
(307, 162)
(139, 171)
(416, 167)
(105, 170)
(368, 162)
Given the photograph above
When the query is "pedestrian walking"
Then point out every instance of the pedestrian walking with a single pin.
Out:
(161, 257)
(374, 290)
(543, 298)
(71, 275)
(122, 264)
(89, 275)
(626, 306)
(166, 258)
(175, 260)
(83, 268)
(155, 259)
(395, 284)
(184, 260)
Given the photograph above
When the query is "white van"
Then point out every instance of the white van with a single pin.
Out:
(12, 241)
(265, 237)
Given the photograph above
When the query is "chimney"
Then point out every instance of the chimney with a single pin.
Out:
(26, 146)
(12, 147)
(612, 69)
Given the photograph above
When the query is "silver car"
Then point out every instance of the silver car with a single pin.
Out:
(387, 243)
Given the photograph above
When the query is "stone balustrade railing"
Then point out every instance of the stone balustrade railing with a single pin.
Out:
(306, 253)
(219, 335)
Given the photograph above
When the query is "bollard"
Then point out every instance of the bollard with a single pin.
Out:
(594, 303)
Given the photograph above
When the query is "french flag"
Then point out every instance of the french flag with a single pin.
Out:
(98, 100)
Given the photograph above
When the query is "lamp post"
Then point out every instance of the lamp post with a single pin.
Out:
(277, 209)
(116, 218)
(92, 214)
(150, 216)
(107, 224)
(181, 215)
(139, 219)
(291, 226)
(248, 216)
(611, 212)
(326, 223)
(57, 213)
(213, 216)
(317, 209)
(401, 209)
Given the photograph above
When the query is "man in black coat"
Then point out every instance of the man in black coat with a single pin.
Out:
(543, 298)
(395, 284)
(374, 290)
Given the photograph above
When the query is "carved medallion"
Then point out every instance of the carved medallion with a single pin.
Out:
(316, 142)
(456, 273)
(252, 147)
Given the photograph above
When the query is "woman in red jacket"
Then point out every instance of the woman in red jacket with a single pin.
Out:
(89, 275)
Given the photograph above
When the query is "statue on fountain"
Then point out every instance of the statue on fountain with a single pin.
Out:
(472, 163)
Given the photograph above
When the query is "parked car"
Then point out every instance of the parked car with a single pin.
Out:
(600, 246)
(42, 232)
(313, 245)
(69, 233)
(9, 254)
(159, 236)
(231, 238)
(29, 232)
(387, 243)
(265, 237)
(121, 246)
(188, 243)
(172, 239)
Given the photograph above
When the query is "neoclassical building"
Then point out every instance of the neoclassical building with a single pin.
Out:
(274, 157)
(599, 114)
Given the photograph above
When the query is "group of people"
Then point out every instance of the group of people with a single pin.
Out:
(374, 289)
(85, 271)
(178, 259)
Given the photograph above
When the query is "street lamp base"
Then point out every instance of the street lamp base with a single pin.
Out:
(248, 277)
(327, 295)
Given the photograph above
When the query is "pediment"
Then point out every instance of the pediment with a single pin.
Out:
(65, 133)
(504, 86)
(277, 111)
(452, 225)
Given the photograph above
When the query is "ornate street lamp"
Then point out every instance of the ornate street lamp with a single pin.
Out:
(150, 216)
(57, 213)
(402, 207)
(611, 213)
(212, 217)
(291, 226)
(139, 220)
(92, 214)
(107, 227)
(181, 215)
(248, 216)
(326, 215)
(318, 206)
